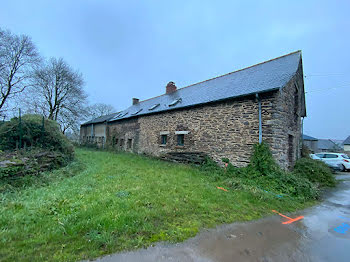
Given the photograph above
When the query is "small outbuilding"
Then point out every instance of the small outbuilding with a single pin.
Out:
(346, 144)
(311, 143)
(94, 131)
(328, 145)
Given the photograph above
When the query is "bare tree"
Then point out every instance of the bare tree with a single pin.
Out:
(18, 58)
(100, 109)
(59, 94)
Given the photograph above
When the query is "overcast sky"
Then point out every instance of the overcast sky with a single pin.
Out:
(128, 49)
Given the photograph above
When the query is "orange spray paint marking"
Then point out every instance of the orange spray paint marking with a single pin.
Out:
(221, 188)
(293, 220)
(281, 214)
(290, 220)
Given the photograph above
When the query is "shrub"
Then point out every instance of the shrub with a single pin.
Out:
(314, 170)
(262, 160)
(225, 160)
(263, 176)
(305, 151)
(46, 148)
(34, 134)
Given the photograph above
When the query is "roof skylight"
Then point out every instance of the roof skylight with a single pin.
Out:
(153, 107)
(175, 102)
(138, 111)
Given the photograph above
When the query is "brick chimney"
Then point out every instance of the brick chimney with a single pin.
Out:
(170, 87)
(135, 101)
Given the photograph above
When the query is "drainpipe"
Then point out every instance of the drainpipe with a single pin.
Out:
(301, 137)
(260, 121)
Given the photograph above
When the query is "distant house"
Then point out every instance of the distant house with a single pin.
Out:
(346, 144)
(95, 130)
(328, 145)
(311, 143)
(323, 145)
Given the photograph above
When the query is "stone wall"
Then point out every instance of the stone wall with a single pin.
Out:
(286, 127)
(224, 129)
(227, 129)
(124, 135)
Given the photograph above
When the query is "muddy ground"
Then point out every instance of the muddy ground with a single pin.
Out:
(322, 235)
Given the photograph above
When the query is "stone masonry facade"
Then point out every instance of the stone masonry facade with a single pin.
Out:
(219, 117)
(226, 129)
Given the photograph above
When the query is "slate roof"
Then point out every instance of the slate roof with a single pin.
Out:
(100, 119)
(306, 137)
(347, 141)
(263, 77)
(327, 144)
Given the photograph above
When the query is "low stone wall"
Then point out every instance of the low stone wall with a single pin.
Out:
(185, 157)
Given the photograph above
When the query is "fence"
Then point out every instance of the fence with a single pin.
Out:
(15, 132)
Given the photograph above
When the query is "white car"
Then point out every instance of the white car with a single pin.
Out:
(334, 160)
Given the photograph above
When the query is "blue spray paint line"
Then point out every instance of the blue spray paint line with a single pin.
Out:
(273, 194)
(342, 229)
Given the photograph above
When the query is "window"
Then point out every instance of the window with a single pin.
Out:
(138, 111)
(163, 139)
(129, 143)
(121, 142)
(117, 116)
(320, 155)
(331, 156)
(154, 106)
(175, 102)
(345, 156)
(180, 140)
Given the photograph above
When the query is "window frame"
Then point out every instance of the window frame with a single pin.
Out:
(180, 137)
(163, 139)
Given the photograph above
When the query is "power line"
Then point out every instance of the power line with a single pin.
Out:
(323, 75)
(328, 89)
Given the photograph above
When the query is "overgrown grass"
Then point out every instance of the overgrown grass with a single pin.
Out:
(316, 171)
(105, 202)
(263, 175)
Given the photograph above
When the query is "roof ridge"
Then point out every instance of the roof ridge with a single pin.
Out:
(298, 51)
(94, 119)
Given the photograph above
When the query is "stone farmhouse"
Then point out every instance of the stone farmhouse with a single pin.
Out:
(222, 117)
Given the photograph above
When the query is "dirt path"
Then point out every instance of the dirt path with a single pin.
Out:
(322, 235)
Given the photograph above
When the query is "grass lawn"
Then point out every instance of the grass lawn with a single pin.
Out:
(106, 202)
